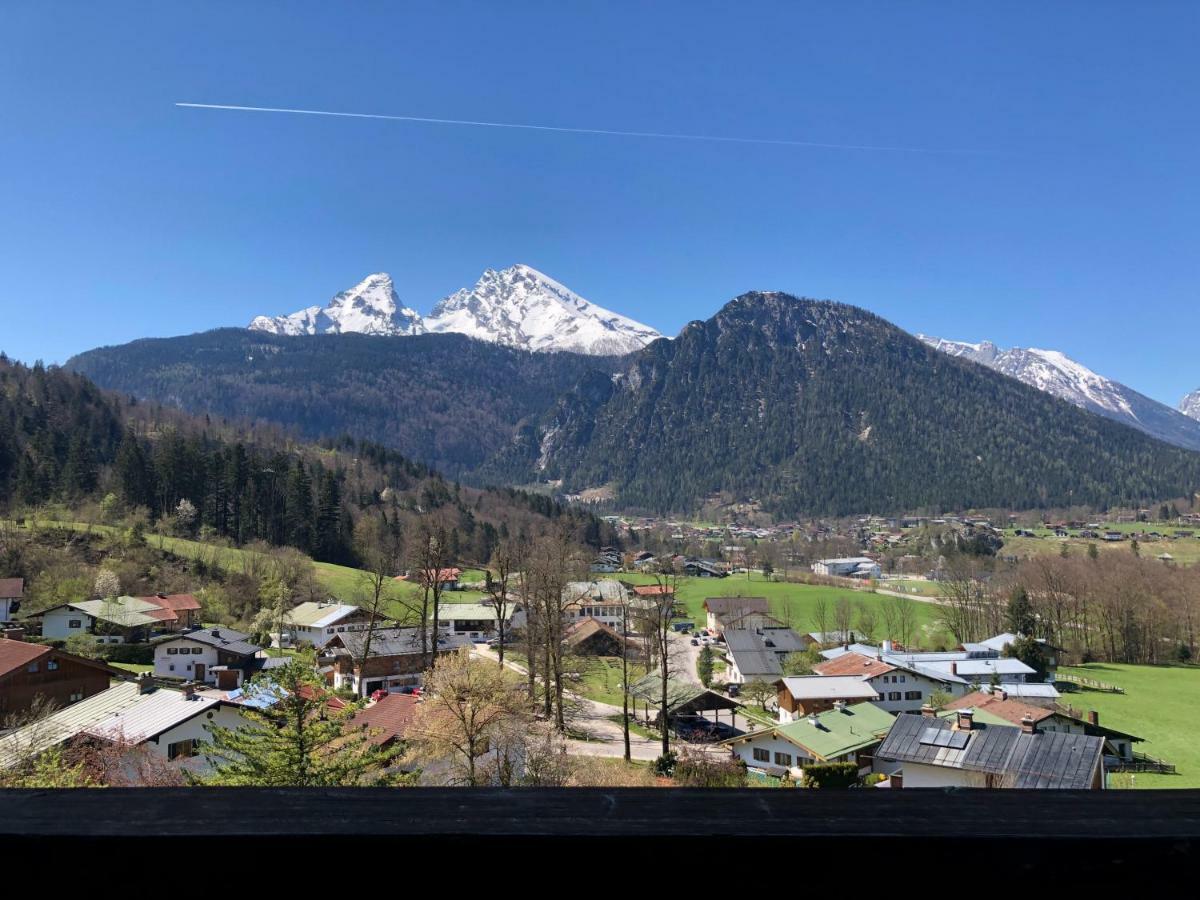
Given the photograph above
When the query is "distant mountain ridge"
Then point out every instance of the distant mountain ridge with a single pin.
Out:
(517, 307)
(1056, 373)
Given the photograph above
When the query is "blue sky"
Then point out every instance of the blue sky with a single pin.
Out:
(1066, 217)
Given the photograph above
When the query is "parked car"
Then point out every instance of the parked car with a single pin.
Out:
(695, 643)
(733, 689)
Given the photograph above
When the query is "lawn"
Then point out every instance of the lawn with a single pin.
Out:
(135, 668)
(1159, 704)
(601, 678)
(1186, 551)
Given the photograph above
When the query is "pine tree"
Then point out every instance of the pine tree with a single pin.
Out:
(296, 741)
(1021, 619)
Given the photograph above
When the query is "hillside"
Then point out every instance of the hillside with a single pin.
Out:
(812, 406)
(442, 399)
(64, 442)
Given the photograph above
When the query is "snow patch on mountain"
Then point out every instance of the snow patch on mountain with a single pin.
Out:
(1056, 373)
(1190, 405)
(370, 307)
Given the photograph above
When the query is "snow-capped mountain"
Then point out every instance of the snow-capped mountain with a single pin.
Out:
(1056, 373)
(370, 307)
(1190, 405)
(518, 306)
(521, 307)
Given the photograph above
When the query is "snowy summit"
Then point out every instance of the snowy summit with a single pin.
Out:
(518, 307)
(1056, 373)
(370, 307)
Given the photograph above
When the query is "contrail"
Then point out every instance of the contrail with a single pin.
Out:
(602, 131)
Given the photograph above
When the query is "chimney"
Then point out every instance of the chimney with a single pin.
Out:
(953, 668)
(145, 683)
(1028, 726)
(966, 719)
(928, 711)
(897, 780)
(1094, 718)
(887, 646)
(161, 596)
(189, 691)
(216, 632)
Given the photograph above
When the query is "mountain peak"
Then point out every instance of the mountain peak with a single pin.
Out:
(370, 307)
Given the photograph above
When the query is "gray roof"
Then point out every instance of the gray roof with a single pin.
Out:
(393, 642)
(1047, 759)
(221, 638)
(65, 723)
(150, 716)
(757, 654)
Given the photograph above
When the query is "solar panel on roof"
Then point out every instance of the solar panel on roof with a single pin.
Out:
(958, 739)
(930, 735)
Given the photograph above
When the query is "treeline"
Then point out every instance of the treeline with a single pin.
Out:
(1110, 607)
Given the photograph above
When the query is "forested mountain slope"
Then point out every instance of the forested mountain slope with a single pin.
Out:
(817, 407)
(63, 441)
(443, 399)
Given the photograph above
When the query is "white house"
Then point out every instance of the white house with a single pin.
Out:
(900, 688)
(847, 567)
(218, 656)
(318, 621)
(171, 724)
(477, 621)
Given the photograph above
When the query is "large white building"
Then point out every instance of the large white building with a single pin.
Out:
(847, 567)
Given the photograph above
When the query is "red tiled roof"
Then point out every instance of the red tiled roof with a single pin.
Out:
(17, 654)
(12, 587)
(332, 701)
(177, 602)
(653, 590)
(1011, 710)
(853, 664)
(388, 718)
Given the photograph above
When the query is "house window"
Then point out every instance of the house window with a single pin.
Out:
(783, 759)
(902, 679)
(761, 754)
(51, 665)
(171, 651)
(76, 697)
(196, 651)
(32, 667)
(912, 695)
(181, 749)
(329, 631)
(172, 667)
(74, 623)
(893, 695)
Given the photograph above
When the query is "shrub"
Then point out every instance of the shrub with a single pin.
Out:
(665, 764)
(137, 654)
(831, 775)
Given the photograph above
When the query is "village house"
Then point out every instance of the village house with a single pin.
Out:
(395, 660)
(998, 644)
(1118, 745)
(218, 656)
(803, 695)
(477, 621)
(899, 688)
(29, 671)
(961, 752)
(317, 621)
(845, 733)
(736, 612)
(386, 720)
(117, 620)
(65, 724)
(170, 724)
(757, 654)
(603, 600)
(12, 591)
(591, 637)
(448, 579)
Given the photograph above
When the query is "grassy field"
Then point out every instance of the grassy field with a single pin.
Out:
(1159, 704)
(135, 668)
(1186, 551)
(789, 602)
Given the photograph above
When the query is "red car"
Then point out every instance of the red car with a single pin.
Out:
(378, 695)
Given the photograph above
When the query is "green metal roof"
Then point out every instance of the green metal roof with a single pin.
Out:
(837, 732)
(123, 611)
